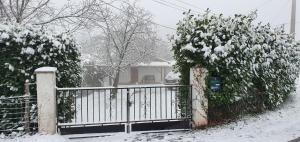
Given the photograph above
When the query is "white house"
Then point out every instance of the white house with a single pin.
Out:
(146, 73)
(143, 73)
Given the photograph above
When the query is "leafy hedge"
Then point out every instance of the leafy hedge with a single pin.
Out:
(26, 48)
(257, 65)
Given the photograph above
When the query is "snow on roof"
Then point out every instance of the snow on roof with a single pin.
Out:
(156, 64)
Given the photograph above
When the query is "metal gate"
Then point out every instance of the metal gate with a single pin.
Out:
(123, 109)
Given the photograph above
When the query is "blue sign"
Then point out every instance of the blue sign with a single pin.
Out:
(215, 84)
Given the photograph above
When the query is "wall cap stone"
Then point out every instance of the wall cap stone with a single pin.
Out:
(46, 70)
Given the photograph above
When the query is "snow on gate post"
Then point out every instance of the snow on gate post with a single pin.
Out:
(199, 100)
(46, 99)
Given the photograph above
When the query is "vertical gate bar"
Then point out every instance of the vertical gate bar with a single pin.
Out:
(104, 105)
(155, 101)
(180, 101)
(116, 105)
(145, 103)
(140, 100)
(99, 110)
(57, 120)
(93, 105)
(133, 103)
(191, 102)
(150, 103)
(121, 104)
(110, 104)
(128, 111)
(176, 89)
(81, 106)
(61, 112)
(160, 102)
(166, 103)
(187, 109)
(63, 103)
(87, 108)
(171, 102)
(75, 105)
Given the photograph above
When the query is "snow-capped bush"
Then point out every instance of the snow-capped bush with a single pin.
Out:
(26, 48)
(254, 61)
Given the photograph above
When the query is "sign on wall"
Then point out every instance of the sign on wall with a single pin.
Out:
(215, 84)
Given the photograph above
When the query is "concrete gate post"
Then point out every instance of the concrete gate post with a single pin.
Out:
(46, 99)
(199, 100)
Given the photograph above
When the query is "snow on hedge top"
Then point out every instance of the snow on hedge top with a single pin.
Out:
(219, 38)
(18, 33)
(240, 48)
(28, 47)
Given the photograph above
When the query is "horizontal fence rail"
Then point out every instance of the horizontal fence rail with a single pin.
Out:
(18, 115)
(97, 106)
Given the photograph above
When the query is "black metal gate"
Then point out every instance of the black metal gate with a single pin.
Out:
(123, 109)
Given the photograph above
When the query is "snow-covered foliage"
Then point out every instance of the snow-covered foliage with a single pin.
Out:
(26, 48)
(254, 61)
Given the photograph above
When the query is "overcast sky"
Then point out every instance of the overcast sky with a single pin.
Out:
(275, 12)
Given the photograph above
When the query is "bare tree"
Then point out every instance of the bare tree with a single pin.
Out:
(128, 38)
(40, 12)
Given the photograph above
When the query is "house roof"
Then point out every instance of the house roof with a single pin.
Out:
(156, 64)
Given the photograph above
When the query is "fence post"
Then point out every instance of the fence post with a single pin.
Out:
(199, 100)
(128, 111)
(27, 107)
(46, 99)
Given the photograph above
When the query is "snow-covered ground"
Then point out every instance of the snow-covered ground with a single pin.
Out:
(281, 125)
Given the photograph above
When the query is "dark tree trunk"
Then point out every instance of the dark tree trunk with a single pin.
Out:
(116, 79)
(116, 83)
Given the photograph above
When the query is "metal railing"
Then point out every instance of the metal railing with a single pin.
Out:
(94, 106)
(18, 115)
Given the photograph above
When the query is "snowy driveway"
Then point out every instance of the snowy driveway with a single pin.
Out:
(277, 126)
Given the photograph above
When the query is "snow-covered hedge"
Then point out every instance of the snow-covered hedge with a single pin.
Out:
(254, 61)
(26, 48)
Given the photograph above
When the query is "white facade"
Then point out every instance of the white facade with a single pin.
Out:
(159, 73)
(139, 73)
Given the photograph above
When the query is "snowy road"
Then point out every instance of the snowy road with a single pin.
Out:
(281, 125)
